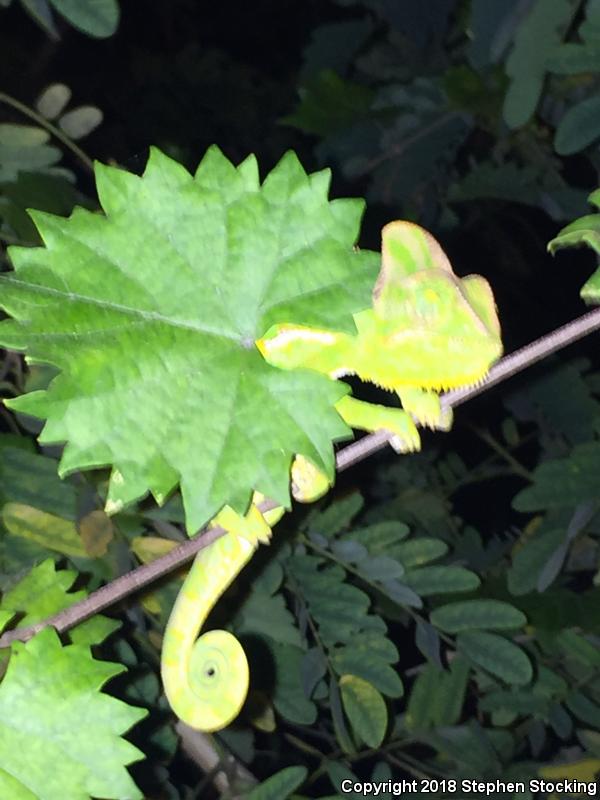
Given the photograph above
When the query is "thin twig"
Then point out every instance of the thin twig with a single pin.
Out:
(132, 581)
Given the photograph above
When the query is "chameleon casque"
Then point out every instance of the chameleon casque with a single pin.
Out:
(427, 331)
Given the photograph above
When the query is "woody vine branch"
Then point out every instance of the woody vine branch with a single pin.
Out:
(137, 578)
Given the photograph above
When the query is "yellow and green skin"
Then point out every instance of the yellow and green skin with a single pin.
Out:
(427, 331)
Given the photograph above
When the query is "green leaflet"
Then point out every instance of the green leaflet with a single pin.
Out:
(280, 785)
(370, 656)
(536, 39)
(441, 579)
(578, 128)
(469, 614)
(25, 148)
(159, 351)
(437, 696)
(563, 482)
(583, 231)
(288, 696)
(497, 655)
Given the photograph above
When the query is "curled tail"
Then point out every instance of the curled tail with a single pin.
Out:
(206, 679)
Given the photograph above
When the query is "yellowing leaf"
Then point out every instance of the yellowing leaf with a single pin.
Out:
(259, 711)
(365, 709)
(584, 770)
(48, 530)
(96, 531)
(148, 548)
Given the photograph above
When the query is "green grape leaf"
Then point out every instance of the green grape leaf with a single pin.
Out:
(365, 708)
(497, 655)
(98, 18)
(48, 530)
(280, 785)
(43, 592)
(151, 313)
(469, 614)
(60, 738)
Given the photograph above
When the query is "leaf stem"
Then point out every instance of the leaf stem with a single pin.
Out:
(52, 129)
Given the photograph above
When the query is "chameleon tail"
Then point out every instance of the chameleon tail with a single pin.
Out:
(206, 679)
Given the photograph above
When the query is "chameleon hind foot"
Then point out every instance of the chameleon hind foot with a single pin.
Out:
(425, 407)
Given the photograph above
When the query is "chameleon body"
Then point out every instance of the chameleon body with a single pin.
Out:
(427, 330)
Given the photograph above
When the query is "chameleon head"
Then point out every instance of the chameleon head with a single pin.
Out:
(426, 328)
(435, 331)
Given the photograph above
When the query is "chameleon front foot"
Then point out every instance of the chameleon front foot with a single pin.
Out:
(370, 417)
(308, 482)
